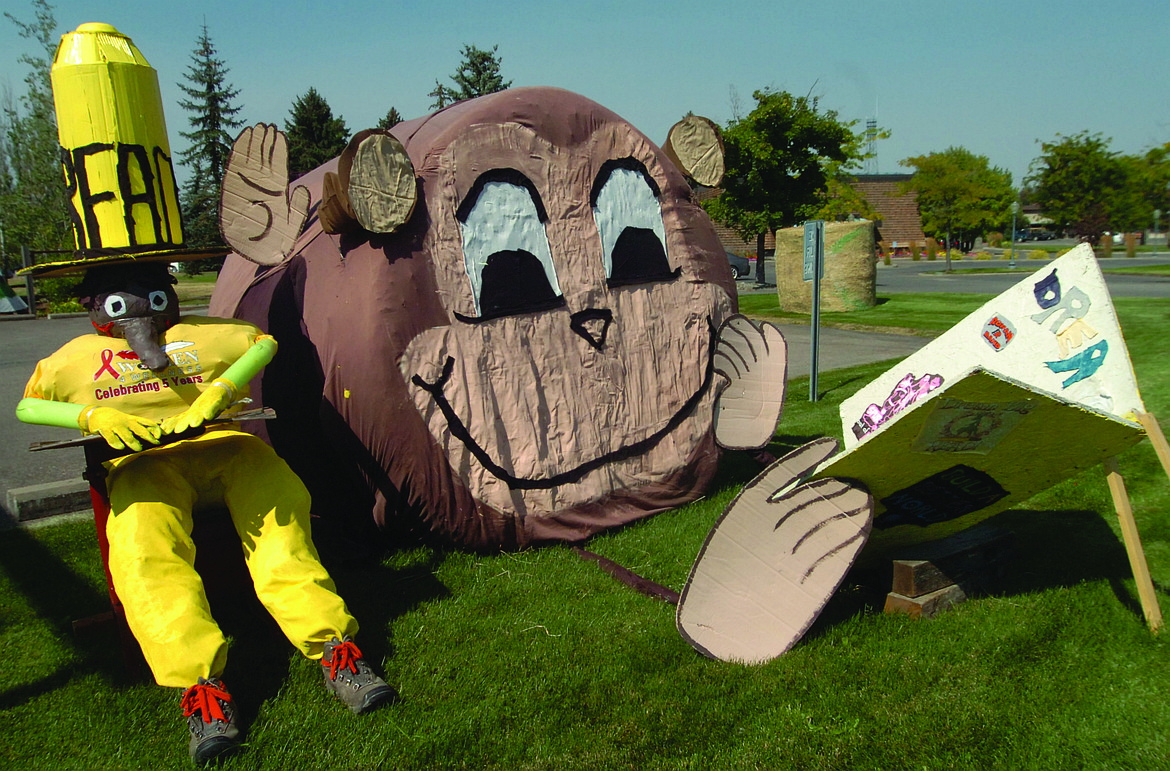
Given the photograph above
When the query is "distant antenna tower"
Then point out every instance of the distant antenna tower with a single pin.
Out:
(871, 162)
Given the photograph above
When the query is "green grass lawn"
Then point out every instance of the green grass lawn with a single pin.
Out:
(925, 313)
(1143, 270)
(195, 290)
(538, 660)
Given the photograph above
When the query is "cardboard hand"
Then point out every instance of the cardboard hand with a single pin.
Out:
(754, 360)
(260, 218)
(214, 400)
(774, 559)
(119, 429)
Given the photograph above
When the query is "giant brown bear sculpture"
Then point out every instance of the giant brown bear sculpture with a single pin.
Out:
(545, 346)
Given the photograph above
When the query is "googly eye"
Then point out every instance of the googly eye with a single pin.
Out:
(158, 301)
(114, 306)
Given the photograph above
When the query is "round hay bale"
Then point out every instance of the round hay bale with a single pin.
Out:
(850, 281)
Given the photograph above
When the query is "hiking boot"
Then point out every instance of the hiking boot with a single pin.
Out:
(211, 719)
(350, 678)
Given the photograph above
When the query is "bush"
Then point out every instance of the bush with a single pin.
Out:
(65, 306)
(995, 239)
(984, 255)
(931, 249)
(1037, 254)
(58, 294)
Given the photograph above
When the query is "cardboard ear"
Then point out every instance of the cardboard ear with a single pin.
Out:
(374, 187)
(696, 147)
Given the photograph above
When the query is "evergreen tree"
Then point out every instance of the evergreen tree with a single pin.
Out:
(478, 74)
(314, 135)
(211, 114)
(392, 119)
(34, 207)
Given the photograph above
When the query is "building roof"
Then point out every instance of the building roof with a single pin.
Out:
(898, 215)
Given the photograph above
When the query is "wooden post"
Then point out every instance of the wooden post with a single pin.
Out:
(1133, 546)
(1157, 438)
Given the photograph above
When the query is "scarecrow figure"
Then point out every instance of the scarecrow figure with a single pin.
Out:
(149, 374)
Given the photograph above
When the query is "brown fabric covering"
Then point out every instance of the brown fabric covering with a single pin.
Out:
(591, 437)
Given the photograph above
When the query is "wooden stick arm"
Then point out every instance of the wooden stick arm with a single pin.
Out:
(98, 450)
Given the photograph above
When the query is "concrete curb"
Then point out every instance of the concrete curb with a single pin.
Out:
(37, 502)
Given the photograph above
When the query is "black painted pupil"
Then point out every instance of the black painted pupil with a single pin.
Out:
(514, 281)
(638, 258)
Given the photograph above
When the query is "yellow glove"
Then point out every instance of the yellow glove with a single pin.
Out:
(214, 400)
(119, 429)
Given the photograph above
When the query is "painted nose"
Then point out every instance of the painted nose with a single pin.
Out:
(592, 324)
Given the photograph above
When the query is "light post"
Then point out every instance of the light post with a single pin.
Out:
(1015, 210)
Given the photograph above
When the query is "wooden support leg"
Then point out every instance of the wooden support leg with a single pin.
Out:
(1157, 438)
(1133, 546)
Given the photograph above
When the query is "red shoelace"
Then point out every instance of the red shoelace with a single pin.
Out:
(344, 657)
(204, 699)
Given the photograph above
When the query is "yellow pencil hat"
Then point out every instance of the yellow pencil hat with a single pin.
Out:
(124, 200)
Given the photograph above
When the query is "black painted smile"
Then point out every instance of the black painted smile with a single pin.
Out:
(460, 432)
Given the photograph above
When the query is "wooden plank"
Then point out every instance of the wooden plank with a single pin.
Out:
(926, 606)
(914, 578)
(1157, 438)
(1133, 546)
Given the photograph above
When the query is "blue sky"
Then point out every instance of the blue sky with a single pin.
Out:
(995, 77)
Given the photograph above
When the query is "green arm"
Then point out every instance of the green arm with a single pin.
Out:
(44, 412)
(249, 365)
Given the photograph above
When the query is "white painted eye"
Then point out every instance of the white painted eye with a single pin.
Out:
(158, 301)
(629, 220)
(505, 247)
(114, 306)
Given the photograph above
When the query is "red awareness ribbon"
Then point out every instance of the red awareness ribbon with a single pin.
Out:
(107, 357)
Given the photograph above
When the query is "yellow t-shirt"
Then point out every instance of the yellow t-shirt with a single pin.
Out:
(104, 371)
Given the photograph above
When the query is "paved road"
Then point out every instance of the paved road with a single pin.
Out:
(905, 275)
(22, 344)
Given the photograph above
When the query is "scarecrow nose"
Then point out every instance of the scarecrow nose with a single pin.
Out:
(592, 324)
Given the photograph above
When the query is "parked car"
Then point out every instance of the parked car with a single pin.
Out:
(740, 267)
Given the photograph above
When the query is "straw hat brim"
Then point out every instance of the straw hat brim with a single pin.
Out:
(81, 264)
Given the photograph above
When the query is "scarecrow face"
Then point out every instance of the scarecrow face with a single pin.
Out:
(133, 302)
(583, 300)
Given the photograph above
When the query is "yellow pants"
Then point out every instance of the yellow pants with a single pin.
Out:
(152, 497)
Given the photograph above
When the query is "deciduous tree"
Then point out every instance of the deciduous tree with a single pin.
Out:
(960, 195)
(478, 74)
(778, 163)
(314, 135)
(1082, 185)
(840, 199)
